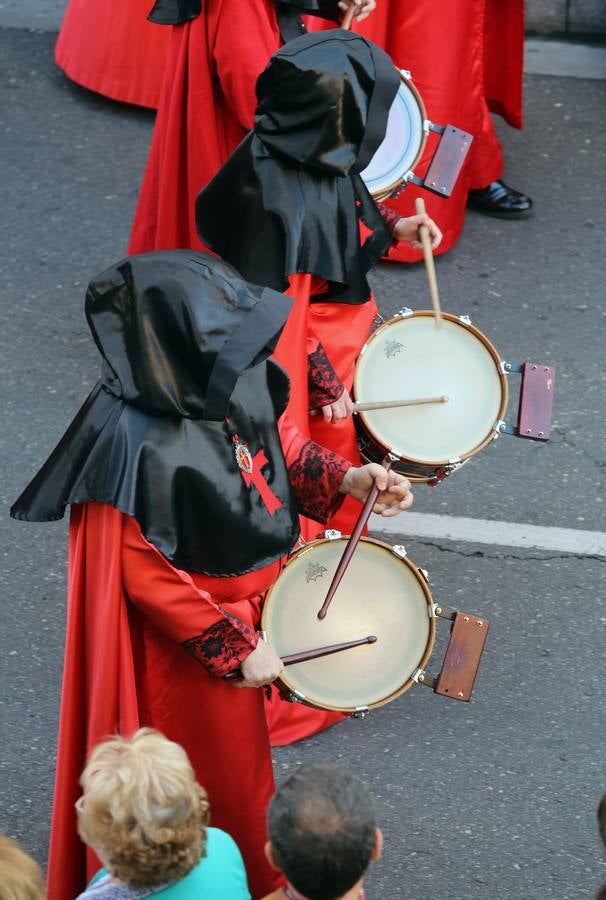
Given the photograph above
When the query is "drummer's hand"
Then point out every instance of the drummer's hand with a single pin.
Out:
(363, 7)
(395, 494)
(407, 229)
(340, 409)
(261, 667)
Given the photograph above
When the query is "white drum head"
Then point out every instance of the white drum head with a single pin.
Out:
(401, 147)
(410, 358)
(380, 595)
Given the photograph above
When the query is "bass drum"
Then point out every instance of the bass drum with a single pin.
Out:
(410, 356)
(382, 594)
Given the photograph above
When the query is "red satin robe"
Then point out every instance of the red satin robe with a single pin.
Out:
(466, 59)
(108, 46)
(206, 107)
(132, 618)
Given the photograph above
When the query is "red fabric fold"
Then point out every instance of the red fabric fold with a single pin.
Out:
(110, 47)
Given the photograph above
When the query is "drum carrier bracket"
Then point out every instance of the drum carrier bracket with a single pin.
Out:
(536, 401)
(462, 657)
(447, 161)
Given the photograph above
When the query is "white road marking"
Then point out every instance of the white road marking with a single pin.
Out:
(483, 531)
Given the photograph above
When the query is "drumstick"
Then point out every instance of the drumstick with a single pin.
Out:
(348, 17)
(306, 655)
(389, 404)
(352, 543)
(429, 264)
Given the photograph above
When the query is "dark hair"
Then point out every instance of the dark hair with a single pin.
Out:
(322, 830)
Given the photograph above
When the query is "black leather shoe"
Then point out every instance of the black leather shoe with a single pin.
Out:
(500, 200)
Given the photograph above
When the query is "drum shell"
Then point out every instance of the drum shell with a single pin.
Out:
(288, 686)
(374, 449)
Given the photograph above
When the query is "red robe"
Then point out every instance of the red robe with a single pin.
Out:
(207, 106)
(129, 613)
(466, 59)
(108, 46)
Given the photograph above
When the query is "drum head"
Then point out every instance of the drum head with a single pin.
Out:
(380, 594)
(411, 358)
(402, 146)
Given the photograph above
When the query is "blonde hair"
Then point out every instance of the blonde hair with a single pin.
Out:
(142, 809)
(20, 876)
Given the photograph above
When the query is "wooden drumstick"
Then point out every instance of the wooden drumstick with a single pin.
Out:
(390, 404)
(348, 17)
(306, 655)
(352, 543)
(429, 264)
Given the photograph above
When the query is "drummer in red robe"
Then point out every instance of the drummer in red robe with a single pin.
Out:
(466, 59)
(185, 480)
(290, 200)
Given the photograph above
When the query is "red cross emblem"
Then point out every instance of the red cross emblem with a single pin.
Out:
(250, 469)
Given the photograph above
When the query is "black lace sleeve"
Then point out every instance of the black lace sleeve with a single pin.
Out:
(324, 384)
(224, 646)
(315, 477)
(389, 216)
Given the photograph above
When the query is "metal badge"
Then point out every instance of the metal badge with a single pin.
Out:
(243, 457)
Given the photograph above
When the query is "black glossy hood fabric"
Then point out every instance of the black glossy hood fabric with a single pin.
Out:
(290, 197)
(173, 12)
(186, 379)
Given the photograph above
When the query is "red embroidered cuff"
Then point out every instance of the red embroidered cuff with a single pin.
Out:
(315, 477)
(389, 216)
(324, 384)
(224, 646)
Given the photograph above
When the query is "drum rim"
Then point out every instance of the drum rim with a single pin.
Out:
(386, 192)
(496, 359)
(283, 682)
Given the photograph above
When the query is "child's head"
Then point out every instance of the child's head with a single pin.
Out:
(142, 810)
(20, 876)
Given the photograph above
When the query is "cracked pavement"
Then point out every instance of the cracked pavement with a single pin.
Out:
(492, 799)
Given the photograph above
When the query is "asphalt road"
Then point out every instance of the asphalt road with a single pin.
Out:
(492, 799)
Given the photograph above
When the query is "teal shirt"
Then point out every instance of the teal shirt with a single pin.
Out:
(219, 875)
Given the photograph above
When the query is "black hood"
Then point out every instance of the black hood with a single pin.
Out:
(186, 382)
(290, 197)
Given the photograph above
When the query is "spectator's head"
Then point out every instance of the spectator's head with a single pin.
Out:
(322, 831)
(141, 809)
(20, 876)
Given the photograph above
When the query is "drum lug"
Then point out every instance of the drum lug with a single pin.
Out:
(431, 126)
(423, 677)
(360, 712)
(465, 320)
(332, 534)
(511, 368)
(503, 428)
(406, 73)
(404, 313)
(296, 697)
(399, 550)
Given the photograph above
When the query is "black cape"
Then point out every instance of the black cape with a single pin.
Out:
(186, 379)
(290, 197)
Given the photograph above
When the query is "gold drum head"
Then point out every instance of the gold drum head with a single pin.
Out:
(410, 357)
(381, 594)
